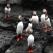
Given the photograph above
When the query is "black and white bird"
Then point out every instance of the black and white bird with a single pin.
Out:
(19, 29)
(44, 18)
(7, 9)
(35, 18)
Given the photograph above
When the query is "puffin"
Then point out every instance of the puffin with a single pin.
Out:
(35, 18)
(44, 18)
(19, 29)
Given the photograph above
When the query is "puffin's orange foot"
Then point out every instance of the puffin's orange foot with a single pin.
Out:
(30, 50)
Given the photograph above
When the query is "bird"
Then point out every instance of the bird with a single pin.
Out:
(35, 18)
(44, 18)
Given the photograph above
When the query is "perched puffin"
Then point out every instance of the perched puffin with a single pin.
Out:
(19, 29)
(7, 11)
(35, 18)
(44, 18)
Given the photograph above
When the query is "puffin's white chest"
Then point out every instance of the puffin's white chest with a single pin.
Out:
(43, 18)
(7, 9)
(19, 28)
(30, 39)
(35, 19)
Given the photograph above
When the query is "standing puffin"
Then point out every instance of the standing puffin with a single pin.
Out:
(44, 18)
(7, 10)
(35, 18)
(19, 29)
(30, 41)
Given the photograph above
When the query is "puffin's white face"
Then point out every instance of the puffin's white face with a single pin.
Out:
(34, 12)
(8, 5)
(44, 11)
(20, 17)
